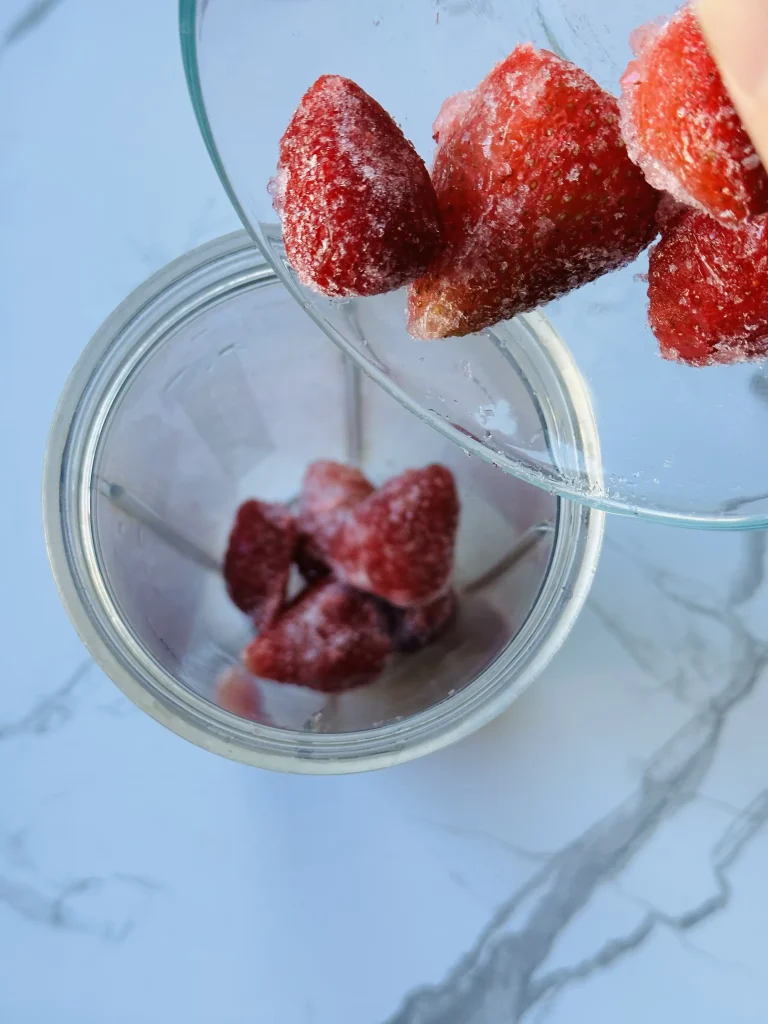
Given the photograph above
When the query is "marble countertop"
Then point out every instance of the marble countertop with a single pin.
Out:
(595, 855)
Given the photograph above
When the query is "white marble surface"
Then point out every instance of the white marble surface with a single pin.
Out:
(596, 855)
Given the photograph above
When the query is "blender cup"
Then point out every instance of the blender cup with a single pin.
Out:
(209, 385)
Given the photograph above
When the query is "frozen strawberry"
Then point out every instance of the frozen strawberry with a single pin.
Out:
(414, 628)
(708, 289)
(358, 209)
(681, 127)
(258, 559)
(331, 638)
(398, 543)
(537, 195)
(237, 692)
(328, 490)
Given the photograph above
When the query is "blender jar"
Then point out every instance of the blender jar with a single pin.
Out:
(209, 385)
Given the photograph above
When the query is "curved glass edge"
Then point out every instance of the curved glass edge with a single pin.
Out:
(188, 40)
(730, 518)
(67, 487)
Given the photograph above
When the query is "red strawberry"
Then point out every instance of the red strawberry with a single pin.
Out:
(236, 691)
(358, 209)
(415, 628)
(328, 490)
(330, 638)
(536, 192)
(681, 126)
(398, 543)
(708, 289)
(258, 559)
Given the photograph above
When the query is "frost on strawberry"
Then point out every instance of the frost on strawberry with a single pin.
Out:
(357, 206)
(681, 126)
(537, 195)
(330, 638)
(329, 489)
(398, 543)
(708, 289)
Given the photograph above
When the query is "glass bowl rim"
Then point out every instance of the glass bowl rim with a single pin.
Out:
(729, 518)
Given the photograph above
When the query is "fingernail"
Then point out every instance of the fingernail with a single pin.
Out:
(737, 32)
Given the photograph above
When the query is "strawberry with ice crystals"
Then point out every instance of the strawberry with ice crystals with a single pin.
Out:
(330, 638)
(415, 628)
(536, 192)
(398, 543)
(358, 210)
(681, 127)
(258, 559)
(236, 692)
(328, 491)
(708, 289)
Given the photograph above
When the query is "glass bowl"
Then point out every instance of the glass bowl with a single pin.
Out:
(209, 385)
(678, 444)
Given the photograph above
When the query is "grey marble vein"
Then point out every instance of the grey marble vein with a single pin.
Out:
(724, 855)
(751, 575)
(638, 649)
(67, 908)
(683, 679)
(54, 709)
(522, 852)
(758, 385)
(106, 907)
(503, 977)
(737, 504)
(552, 39)
(28, 20)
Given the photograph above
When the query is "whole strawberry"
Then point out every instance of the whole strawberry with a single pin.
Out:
(328, 491)
(330, 638)
(681, 127)
(536, 192)
(708, 289)
(398, 543)
(358, 209)
(258, 559)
